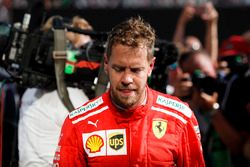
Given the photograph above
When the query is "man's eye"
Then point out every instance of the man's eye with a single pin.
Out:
(136, 70)
(118, 69)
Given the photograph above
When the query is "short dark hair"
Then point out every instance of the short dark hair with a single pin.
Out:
(133, 32)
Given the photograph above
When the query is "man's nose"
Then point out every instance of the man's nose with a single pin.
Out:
(127, 77)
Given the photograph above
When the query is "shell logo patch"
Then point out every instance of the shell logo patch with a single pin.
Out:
(94, 143)
(159, 127)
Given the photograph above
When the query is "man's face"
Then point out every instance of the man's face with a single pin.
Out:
(128, 69)
(199, 62)
(77, 40)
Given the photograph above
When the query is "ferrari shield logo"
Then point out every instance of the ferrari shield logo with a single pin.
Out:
(159, 127)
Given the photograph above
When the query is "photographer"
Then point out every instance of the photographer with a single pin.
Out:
(203, 100)
(42, 112)
(221, 135)
(207, 13)
(179, 83)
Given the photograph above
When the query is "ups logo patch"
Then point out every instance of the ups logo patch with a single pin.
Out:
(116, 141)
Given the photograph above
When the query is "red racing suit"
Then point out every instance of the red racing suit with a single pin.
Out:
(163, 132)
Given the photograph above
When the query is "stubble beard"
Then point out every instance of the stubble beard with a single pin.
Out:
(124, 102)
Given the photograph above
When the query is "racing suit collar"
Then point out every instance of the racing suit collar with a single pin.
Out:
(135, 114)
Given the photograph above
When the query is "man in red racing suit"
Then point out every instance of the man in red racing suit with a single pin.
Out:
(131, 124)
(163, 132)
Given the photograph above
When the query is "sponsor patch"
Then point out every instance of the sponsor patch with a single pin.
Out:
(159, 127)
(174, 104)
(90, 115)
(93, 123)
(57, 154)
(94, 143)
(105, 143)
(197, 131)
(86, 107)
(116, 142)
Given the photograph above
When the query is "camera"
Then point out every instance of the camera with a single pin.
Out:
(166, 53)
(205, 83)
(27, 57)
(21, 55)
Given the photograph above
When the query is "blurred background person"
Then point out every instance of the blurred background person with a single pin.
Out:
(178, 82)
(222, 105)
(209, 15)
(195, 61)
(204, 98)
(78, 40)
(42, 112)
(235, 54)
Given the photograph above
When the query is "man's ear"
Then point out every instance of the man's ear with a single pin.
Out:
(105, 62)
(151, 66)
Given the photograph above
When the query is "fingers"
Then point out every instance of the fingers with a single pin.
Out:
(187, 13)
(209, 13)
(206, 12)
(210, 99)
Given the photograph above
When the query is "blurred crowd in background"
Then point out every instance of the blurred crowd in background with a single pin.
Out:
(119, 3)
(7, 5)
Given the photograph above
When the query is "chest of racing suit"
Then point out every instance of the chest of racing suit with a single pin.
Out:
(163, 132)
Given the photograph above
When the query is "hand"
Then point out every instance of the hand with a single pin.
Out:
(209, 100)
(209, 13)
(187, 13)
